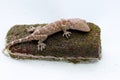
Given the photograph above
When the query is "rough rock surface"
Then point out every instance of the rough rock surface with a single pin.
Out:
(80, 46)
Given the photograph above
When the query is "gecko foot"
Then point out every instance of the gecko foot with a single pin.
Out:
(41, 46)
(67, 34)
(30, 29)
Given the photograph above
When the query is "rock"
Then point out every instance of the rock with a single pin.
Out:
(80, 47)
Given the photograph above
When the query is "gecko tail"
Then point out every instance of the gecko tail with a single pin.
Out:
(28, 38)
(4, 51)
(8, 46)
(6, 54)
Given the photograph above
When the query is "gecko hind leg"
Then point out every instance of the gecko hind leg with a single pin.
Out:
(41, 45)
(30, 29)
(40, 39)
(67, 34)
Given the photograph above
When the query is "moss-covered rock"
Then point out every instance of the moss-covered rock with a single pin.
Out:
(80, 46)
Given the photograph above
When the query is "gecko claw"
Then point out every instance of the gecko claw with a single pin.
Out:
(41, 46)
(67, 34)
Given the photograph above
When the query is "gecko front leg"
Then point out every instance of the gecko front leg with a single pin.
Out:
(66, 33)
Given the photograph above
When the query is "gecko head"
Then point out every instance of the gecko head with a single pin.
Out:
(83, 27)
(80, 25)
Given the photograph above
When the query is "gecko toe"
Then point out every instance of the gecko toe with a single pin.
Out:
(67, 34)
(41, 46)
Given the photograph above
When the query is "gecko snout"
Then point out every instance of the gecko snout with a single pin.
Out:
(87, 29)
(84, 28)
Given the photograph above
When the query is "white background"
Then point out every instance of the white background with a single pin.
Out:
(105, 13)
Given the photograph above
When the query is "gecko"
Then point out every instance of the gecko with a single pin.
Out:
(41, 33)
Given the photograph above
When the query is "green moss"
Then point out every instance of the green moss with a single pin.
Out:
(80, 44)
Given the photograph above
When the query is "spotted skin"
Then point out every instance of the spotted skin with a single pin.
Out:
(41, 33)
